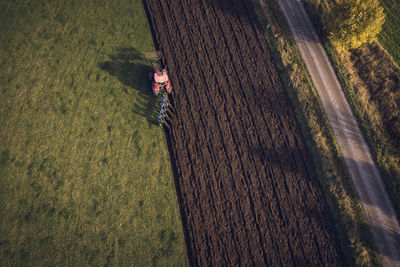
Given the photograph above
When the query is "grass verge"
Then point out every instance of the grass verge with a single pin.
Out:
(370, 81)
(85, 177)
(354, 236)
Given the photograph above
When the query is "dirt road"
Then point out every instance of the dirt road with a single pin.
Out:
(378, 208)
(247, 189)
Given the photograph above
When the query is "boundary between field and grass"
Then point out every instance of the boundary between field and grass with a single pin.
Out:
(175, 176)
(173, 169)
(354, 236)
(373, 130)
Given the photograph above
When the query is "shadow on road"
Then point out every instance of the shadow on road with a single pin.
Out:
(130, 68)
(343, 125)
(392, 237)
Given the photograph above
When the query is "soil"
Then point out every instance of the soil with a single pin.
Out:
(246, 185)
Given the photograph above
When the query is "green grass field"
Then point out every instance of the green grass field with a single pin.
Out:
(84, 171)
(390, 34)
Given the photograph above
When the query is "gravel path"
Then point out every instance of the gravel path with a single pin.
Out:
(378, 208)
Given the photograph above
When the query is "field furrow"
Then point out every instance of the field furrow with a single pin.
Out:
(246, 185)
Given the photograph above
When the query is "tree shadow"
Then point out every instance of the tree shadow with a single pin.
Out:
(131, 69)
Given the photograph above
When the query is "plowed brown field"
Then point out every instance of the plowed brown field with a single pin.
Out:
(246, 186)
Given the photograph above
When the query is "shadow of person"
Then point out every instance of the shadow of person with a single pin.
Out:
(131, 68)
